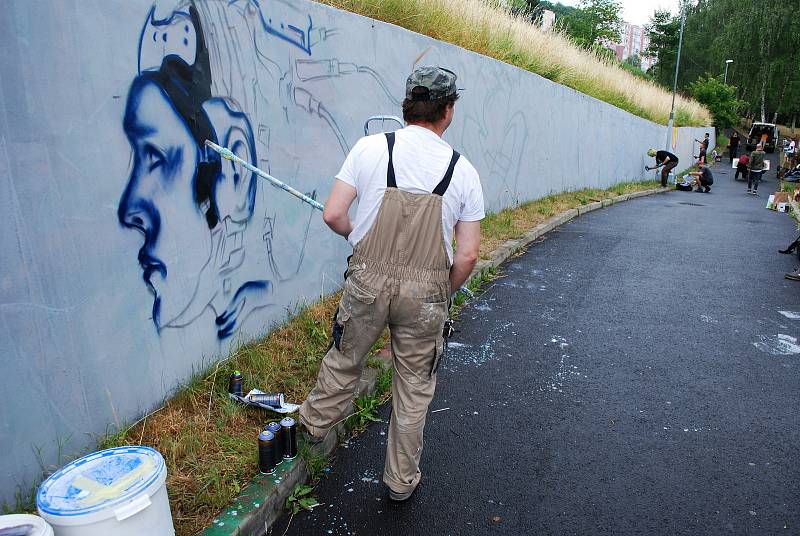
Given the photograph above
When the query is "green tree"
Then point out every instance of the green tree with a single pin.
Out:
(663, 30)
(719, 98)
(595, 22)
(762, 37)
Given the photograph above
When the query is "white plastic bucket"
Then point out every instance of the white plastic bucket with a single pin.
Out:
(24, 525)
(120, 492)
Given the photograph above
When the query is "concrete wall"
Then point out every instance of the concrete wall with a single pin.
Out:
(132, 258)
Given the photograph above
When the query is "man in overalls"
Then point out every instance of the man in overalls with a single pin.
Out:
(413, 190)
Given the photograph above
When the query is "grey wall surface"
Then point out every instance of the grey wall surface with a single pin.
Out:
(132, 258)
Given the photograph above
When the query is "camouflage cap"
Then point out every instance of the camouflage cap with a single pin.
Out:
(433, 83)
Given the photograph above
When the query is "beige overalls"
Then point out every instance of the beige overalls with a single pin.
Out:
(398, 275)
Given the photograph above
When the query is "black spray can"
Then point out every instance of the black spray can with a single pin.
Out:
(289, 437)
(267, 452)
(275, 428)
(235, 383)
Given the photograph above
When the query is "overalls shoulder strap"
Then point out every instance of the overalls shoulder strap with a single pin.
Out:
(390, 180)
(440, 189)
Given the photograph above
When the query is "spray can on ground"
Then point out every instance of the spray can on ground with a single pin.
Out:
(268, 457)
(235, 383)
(289, 437)
(275, 428)
(268, 399)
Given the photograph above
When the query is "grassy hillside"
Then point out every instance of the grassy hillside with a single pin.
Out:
(483, 27)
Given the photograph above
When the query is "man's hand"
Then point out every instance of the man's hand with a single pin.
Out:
(468, 241)
(337, 207)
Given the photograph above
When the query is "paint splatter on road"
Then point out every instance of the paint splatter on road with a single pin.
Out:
(779, 344)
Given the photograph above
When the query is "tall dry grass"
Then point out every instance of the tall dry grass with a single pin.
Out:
(485, 27)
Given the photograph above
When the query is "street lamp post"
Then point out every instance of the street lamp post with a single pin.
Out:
(675, 83)
(727, 62)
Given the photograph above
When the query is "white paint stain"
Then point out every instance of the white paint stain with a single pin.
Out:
(369, 477)
(708, 319)
(477, 356)
(791, 315)
(779, 344)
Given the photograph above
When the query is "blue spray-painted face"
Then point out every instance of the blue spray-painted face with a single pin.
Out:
(159, 200)
(195, 212)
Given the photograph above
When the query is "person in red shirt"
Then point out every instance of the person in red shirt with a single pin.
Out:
(741, 166)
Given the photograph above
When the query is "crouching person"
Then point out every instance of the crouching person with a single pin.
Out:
(413, 191)
(703, 179)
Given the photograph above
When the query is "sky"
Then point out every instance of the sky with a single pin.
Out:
(637, 11)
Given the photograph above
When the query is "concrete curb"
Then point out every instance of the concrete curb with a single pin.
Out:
(510, 247)
(261, 503)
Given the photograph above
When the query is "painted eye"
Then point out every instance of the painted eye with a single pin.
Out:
(153, 158)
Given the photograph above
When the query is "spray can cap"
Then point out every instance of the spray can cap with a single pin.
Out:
(287, 422)
(273, 426)
(266, 435)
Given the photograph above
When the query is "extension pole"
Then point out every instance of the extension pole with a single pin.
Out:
(675, 83)
(228, 155)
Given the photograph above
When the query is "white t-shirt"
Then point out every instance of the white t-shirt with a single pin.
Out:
(420, 159)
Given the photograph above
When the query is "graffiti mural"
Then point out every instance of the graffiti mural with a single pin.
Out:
(196, 81)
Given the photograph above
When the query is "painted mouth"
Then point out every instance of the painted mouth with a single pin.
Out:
(151, 265)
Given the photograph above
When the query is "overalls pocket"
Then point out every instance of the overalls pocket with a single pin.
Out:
(355, 309)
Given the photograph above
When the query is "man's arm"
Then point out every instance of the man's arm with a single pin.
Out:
(337, 207)
(468, 241)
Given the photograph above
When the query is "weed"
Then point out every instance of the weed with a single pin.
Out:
(545, 210)
(365, 411)
(315, 461)
(383, 384)
(301, 499)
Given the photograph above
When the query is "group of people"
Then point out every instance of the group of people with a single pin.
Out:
(667, 161)
(751, 166)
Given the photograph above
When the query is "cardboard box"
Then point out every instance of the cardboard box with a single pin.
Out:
(781, 197)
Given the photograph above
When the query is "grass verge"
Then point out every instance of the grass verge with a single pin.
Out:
(208, 441)
(488, 28)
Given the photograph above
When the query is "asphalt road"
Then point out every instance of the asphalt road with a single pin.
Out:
(632, 373)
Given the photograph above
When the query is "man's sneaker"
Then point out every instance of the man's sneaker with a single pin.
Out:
(754, 192)
(319, 445)
(699, 191)
(749, 191)
(309, 438)
(396, 496)
(794, 276)
(708, 190)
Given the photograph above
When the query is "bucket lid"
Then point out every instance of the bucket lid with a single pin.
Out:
(24, 525)
(99, 481)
